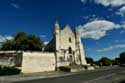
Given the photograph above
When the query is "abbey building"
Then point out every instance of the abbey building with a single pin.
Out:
(65, 49)
(67, 46)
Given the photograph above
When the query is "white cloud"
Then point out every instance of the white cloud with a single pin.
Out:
(119, 41)
(124, 25)
(121, 11)
(93, 17)
(121, 32)
(15, 5)
(46, 42)
(97, 29)
(113, 3)
(111, 48)
(4, 38)
(83, 1)
(42, 36)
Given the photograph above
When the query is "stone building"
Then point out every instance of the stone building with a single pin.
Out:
(64, 49)
(67, 46)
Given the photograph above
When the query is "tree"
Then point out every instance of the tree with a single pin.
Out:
(104, 61)
(89, 60)
(8, 45)
(23, 41)
(116, 61)
(122, 58)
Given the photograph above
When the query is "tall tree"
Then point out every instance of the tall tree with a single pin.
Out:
(104, 61)
(122, 58)
(89, 60)
(23, 41)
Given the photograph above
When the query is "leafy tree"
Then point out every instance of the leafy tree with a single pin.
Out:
(89, 60)
(8, 45)
(122, 58)
(104, 61)
(116, 61)
(97, 63)
(23, 41)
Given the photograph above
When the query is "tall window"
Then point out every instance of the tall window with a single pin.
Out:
(70, 40)
(70, 50)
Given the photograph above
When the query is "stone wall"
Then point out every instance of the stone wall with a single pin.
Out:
(8, 58)
(38, 62)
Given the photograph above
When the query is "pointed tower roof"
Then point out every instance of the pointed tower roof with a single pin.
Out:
(77, 31)
(67, 27)
(57, 25)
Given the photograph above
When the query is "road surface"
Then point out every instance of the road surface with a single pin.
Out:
(110, 75)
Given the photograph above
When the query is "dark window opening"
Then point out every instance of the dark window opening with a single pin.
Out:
(70, 40)
(70, 50)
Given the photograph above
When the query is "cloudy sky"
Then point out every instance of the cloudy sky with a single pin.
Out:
(101, 22)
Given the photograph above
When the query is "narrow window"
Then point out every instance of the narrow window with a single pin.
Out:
(70, 40)
(70, 50)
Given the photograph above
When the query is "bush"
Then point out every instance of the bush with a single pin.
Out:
(85, 66)
(9, 71)
(122, 58)
(97, 63)
(89, 60)
(123, 81)
(65, 69)
(105, 61)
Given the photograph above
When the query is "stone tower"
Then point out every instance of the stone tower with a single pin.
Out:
(57, 36)
(80, 48)
(57, 43)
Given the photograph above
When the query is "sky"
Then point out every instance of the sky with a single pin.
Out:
(100, 22)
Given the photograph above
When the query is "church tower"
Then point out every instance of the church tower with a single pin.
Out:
(57, 36)
(80, 48)
(57, 44)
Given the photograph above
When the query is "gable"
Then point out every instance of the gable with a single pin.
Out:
(67, 38)
(67, 30)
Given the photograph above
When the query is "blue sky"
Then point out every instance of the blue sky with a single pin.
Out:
(101, 22)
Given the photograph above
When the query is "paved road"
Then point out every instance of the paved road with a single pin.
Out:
(110, 75)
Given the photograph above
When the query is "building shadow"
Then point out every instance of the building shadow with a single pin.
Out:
(122, 81)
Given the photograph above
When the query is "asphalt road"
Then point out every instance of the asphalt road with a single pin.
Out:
(110, 75)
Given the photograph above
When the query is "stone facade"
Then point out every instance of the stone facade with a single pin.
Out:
(67, 47)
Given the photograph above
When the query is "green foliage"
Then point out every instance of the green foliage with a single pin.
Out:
(65, 69)
(104, 61)
(97, 63)
(122, 58)
(89, 60)
(8, 45)
(9, 71)
(24, 42)
(116, 61)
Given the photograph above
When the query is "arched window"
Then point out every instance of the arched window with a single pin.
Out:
(70, 41)
(70, 50)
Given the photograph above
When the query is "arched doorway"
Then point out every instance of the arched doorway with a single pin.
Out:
(70, 50)
(71, 58)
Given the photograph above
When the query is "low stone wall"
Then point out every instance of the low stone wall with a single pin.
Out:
(37, 62)
(9, 59)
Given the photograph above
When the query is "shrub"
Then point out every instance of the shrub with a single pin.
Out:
(122, 58)
(123, 81)
(65, 69)
(105, 61)
(89, 60)
(9, 71)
